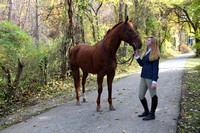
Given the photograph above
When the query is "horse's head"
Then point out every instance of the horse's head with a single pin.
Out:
(129, 35)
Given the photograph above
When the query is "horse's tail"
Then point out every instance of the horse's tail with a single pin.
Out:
(76, 76)
(75, 69)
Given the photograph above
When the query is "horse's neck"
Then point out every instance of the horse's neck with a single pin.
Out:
(112, 44)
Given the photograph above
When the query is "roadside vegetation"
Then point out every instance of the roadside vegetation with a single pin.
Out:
(189, 120)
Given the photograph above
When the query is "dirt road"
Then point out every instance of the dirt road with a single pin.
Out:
(70, 118)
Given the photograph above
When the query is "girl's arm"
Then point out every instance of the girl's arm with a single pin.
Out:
(138, 58)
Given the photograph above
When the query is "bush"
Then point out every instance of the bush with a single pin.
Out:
(41, 64)
(13, 43)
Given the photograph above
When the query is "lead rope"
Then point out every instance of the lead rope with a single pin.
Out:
(131, 58)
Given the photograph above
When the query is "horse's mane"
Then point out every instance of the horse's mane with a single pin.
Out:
(113, 28)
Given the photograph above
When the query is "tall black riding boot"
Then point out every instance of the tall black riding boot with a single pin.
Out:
(154, 104)
(146, 109)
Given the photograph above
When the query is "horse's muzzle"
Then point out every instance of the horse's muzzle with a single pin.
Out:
(140, 46)
(135, 46)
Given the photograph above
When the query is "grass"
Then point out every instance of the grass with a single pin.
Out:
(189, 120)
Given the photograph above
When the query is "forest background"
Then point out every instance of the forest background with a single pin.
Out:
(37, 35)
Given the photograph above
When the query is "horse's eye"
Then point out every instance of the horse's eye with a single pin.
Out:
(130, 30)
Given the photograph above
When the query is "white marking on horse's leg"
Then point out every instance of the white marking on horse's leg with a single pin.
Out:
(84, 97)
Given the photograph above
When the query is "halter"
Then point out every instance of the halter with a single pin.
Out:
(130, 37)
(133, 45)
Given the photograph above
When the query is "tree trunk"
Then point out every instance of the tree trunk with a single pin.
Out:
(121, 4)
(77, 30)
(12, 88)
(96, 18)
(65, 60)
(10, 10)
(92, 23)
(44, 71)
(97, 27)
(66, 44)
(70, 14)
(80, 17)
(20, 14)
(125, 44)
(136, 12)
(197, 50)
(82, 30)
(37, 22)
(159, 40)
(180, 41)
(93, 31)
(19, 73)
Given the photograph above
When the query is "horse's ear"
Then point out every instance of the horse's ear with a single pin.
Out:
(126, 19)
(131, 20)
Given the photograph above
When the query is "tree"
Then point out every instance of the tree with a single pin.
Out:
(96, 16)
(68, 40)
(121, 5)
(37, 21)
(188, 13)
(125, 44)
(10, 10)
(92, 15)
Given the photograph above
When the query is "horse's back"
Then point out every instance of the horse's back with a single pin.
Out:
(81, 49)
(81, 56)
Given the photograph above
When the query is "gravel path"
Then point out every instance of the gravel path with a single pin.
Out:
(70, 118)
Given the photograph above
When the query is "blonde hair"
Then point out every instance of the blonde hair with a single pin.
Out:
(155, 51)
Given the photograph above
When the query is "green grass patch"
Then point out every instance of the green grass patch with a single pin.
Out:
(189, 120)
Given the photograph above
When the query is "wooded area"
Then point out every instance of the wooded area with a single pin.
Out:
(37, 35)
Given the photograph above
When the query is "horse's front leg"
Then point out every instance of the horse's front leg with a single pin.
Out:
(110, 78)
(100, 88)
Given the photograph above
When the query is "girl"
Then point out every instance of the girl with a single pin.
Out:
(149, 76)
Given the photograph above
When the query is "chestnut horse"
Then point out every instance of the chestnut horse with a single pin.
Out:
(100, 59)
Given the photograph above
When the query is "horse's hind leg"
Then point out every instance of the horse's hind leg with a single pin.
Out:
(110, 77)
(83, 86)
(76, 76)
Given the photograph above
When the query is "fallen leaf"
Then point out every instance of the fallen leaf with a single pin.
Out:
(124, 131)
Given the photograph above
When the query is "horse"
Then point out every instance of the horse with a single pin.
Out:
(101, 59)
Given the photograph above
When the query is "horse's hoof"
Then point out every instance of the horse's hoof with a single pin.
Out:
(78, 103)
(84, 100)
(99, 110)
(112, 108)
